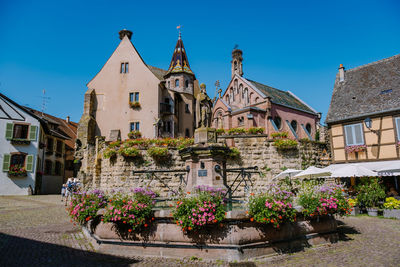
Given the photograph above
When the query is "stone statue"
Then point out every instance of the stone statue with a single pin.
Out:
(203, 108)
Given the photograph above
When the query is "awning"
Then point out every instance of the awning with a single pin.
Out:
(383, 168)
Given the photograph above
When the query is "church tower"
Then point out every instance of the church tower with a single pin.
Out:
(237, 62)
(180, 82)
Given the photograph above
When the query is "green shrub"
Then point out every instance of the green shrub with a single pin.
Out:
(236, 131)
(159, 154)
(129, 152)
(109, 153)
(114, 144)
(370, 192)
(255, 130)
(220, 131)
(234, 153)
(278, 135)
(285, 144)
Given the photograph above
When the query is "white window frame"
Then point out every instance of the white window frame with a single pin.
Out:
(353, 131)
(397, 123)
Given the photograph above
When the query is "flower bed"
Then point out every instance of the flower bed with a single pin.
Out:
(279, 135)
(285, 144)
(133, 210)
(205, 207)
(319, 200)
(241, 131)
(84, 205)
(355, 148)
(275, 206)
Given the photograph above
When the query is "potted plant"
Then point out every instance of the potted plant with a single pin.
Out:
(355, 209)
(370, 193)
(134, 135)
(391, 208)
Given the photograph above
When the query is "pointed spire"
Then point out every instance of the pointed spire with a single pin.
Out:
(179, 61)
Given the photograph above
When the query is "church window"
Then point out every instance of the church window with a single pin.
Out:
(177, 83)
(278, 122)
(187, 83)
(256, 100)
(308, 128)
(293, 123)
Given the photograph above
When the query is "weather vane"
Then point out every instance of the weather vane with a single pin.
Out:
(179, 30)
(236, 46)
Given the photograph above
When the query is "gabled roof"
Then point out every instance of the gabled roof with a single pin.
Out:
(179, 62)
(65, 130)
(282, 97)
(366, 90)
(159, 73)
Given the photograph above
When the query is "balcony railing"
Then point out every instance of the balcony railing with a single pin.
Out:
(165, 108)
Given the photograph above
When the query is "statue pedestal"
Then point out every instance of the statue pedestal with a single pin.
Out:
(205, 135)
(206, 160)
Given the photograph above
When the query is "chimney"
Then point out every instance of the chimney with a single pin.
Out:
(124, 32)
(341, 73)
(67, 119)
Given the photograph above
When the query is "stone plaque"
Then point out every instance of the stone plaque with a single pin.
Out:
(202, 173)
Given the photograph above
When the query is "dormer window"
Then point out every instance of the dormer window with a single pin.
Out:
(177, 83)
(124, 67)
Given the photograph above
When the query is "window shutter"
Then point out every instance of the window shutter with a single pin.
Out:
(9, 131)
(33, 132)
(29, 163)
(349, 135)
(6, 162)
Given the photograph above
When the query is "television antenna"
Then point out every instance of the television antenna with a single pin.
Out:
(45, 100)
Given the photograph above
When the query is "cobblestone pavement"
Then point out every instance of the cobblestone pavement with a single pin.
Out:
(36, 231)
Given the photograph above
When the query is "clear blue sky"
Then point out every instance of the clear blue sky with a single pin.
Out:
(291, 45)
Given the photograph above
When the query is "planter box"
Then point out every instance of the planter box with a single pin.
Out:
(236, 239)
(372, 212)
(355, 211)
(391, 214)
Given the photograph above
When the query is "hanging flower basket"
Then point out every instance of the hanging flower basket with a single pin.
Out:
(355, 148)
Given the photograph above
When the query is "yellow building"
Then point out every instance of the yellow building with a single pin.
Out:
(364, 114)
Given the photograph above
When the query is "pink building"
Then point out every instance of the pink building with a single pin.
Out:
(246, 103)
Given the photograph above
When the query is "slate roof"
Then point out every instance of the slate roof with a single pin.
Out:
(282, 97)
(366, 90)
(159, 73)
(179, 62)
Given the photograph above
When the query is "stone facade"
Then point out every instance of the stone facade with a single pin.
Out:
(254, 150)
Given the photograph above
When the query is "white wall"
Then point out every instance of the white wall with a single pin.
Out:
(16, 186)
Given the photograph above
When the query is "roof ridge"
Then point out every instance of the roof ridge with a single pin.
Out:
(374, 63)
(267, 86)
(156, 67)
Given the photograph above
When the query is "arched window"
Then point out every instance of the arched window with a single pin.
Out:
(227, 99)
(293, 123)
(177, 83)
(240, 92)
(308, 128)
(235, 65)
(235, 85)
(187, 83)
(251, 96)
(246, 95)
(278, 122)
(257, 99)
(232, 94)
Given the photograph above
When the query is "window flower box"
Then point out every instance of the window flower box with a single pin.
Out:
(355, 148)
(19, 141)
(134, 104)
(17, 171)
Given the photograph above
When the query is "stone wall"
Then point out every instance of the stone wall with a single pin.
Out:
(98, 172)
